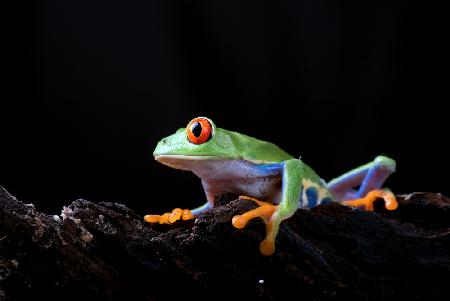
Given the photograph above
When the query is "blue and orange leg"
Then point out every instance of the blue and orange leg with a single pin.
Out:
(370, 178)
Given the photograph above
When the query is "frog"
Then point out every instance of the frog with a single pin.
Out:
(261, 172)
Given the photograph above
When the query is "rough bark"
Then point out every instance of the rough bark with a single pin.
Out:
(105, 251)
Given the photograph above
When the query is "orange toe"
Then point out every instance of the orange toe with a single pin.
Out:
(152, 218)
(239, 221)
(390, 201)
(264, 211)
(187, 215)
(267, 247)
(175, 215)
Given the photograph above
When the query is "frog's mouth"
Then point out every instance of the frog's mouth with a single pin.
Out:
(184, 162)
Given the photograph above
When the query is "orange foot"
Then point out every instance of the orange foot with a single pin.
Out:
(264, 211)
(389, 200)
(170, 217)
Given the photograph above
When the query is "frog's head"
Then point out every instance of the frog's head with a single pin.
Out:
(200, 140)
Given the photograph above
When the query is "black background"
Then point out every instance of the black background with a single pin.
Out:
(96, 84)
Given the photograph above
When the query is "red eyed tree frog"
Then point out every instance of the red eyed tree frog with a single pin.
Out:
(230, 162)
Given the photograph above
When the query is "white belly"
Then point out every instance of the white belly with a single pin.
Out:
(231, 176)
(239, 177)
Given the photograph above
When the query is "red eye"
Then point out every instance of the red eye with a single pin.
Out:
(199, 130)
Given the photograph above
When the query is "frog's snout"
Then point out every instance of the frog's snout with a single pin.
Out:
(156, 152)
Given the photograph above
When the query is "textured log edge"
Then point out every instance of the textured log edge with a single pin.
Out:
(332, 252)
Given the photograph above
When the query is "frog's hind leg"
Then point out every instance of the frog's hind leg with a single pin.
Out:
(370, 178)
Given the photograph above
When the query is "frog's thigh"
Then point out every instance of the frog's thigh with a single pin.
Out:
(370, 176)
(380, 170)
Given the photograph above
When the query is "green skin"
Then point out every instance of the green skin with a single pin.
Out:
(229, 159)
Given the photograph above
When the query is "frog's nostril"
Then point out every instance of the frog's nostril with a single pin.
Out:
(164, 141)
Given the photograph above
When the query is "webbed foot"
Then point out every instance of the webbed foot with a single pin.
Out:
(264, 211)
(390, 201)
(170, 217)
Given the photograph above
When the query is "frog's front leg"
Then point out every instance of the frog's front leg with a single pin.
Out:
(273, 215)
(170, 217)
(183, 214)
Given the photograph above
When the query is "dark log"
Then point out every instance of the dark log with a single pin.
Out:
(105, 251)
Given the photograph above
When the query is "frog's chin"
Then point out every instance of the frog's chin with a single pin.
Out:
(184, 162)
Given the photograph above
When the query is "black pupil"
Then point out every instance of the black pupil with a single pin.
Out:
(196, 129)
